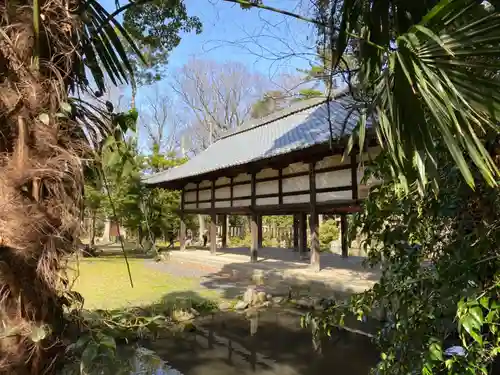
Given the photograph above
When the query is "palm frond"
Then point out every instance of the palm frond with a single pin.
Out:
(103, 54)
(432, 70)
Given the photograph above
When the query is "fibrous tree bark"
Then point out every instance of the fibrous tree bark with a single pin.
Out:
(40, 179)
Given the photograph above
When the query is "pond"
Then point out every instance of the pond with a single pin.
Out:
(265, 342)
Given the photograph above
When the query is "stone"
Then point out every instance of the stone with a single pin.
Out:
(269, 297)
(266, 304)
(241, 305)
(194, 312)
(250, 295)
(182, 315)
(225, 306)
(261, 297)
(277, 300)
(305, 303)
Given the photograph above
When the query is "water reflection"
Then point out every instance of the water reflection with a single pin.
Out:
(262, 343)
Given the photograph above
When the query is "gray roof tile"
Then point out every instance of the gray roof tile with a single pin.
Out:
(299, 127)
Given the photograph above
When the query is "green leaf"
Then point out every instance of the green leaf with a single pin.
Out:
(88, 356)
(436, 351)
(477, 313)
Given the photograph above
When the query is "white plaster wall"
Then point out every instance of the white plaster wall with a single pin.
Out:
(296, 167)
(222, 193)
(205, 194)
(190, 196)
(332, 161)
(190, 205)
(333, 179)
(241, 202)
(266, 201)
(191, 185)
(242, 190)
(267, 173)
(304, 198)
(268, 187)
(205, 183)
(223, 204)
(222, 181)
(242, 177)
(296, 183)
(334, 196)
(205, 205)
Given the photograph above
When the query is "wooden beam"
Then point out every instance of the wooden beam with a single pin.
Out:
(254, 235)
(280, 186)
(198, 195)
(295, 232)
(212, 195)
(354, 175)
(213, 233)
(302, 233)
(343, 236)
(231, 192)
(259, 231)
(253, 187)
(314, 220)
(224, 230)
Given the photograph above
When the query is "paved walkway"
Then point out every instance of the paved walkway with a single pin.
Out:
(231, 271)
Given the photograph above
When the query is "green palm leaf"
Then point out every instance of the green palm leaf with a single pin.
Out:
(432, 75)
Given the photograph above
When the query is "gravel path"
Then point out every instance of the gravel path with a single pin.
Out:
(182, 269)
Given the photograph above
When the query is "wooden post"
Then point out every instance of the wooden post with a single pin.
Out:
(314, 228)
(354, 176)
(182, 234)
(254, 234)
(295, 232)
(213, 233)
(259, 231)
(302, 234)
(314, 220)
(343, 235)
(224, 230)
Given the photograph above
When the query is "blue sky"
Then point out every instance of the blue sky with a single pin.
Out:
(266, 42)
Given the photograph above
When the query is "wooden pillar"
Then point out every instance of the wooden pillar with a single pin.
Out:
(213, 233)
(223, 219)
(182, 234)
(254, 235)
(295, 232)
(302, 234)
(315, 250)
(259, 231)
(314, 220)
(343, 235)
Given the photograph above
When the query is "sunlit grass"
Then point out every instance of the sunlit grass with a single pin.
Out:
(104, 283)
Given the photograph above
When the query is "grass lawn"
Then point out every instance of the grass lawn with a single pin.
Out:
(104, 283)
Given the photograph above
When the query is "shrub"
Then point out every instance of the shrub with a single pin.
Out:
(328, 232)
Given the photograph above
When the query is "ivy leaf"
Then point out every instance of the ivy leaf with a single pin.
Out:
(436, 351)
(477, 313)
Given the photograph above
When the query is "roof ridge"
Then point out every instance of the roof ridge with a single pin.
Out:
(274, 119)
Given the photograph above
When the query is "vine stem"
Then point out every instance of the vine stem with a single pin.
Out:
(36, 32)
(113, 209)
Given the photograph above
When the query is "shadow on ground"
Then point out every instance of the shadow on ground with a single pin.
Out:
(231, 281)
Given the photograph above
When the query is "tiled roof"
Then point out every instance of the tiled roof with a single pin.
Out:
(302, 125)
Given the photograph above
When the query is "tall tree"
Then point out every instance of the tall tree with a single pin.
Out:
(161, 121)
(217, 97)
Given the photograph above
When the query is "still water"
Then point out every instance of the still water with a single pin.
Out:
(263, 343)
